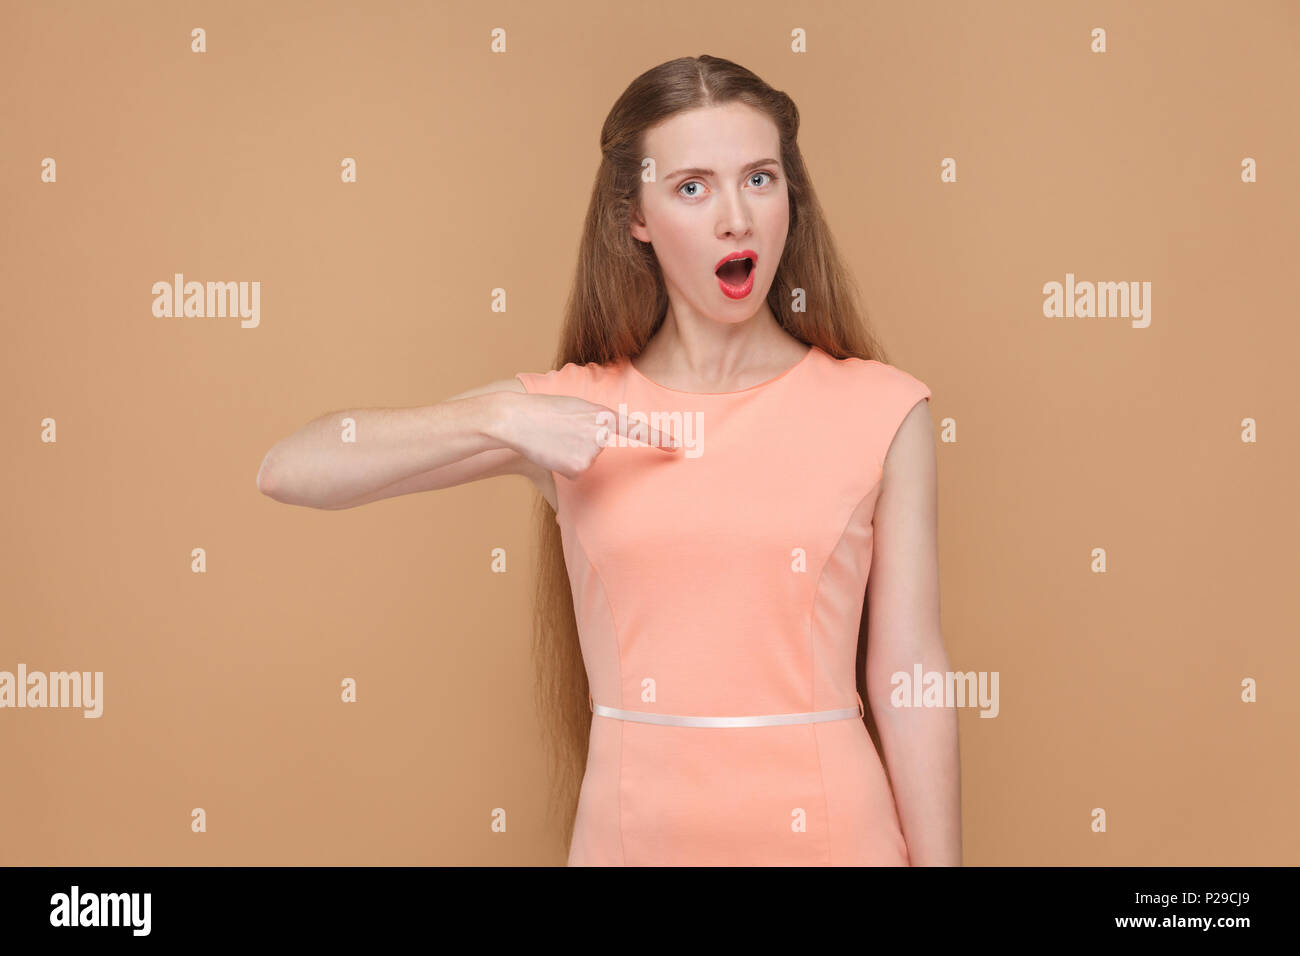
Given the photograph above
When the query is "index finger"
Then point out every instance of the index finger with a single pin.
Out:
(664, 441)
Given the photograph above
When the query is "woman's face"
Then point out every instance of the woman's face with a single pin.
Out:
(719, 188)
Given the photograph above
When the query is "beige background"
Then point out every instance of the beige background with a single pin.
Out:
(1118, 690)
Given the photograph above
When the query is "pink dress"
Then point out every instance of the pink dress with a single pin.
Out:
(728, 579)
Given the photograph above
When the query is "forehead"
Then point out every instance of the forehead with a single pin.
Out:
(719, 137)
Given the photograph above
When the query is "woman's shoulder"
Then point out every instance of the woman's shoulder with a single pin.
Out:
(882, 379)
(580, 379)
(882, 397)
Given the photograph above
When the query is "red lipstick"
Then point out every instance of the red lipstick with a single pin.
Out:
(738, 281)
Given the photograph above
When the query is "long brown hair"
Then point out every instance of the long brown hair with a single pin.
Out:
(618, 301)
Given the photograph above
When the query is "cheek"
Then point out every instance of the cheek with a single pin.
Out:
(676, 243)
(776, 227)
(776, 215)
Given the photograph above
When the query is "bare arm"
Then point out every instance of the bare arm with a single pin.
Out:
(903, 629)
(398, 451)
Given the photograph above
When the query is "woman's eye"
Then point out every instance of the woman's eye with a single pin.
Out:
(684, 185)
(768, 175)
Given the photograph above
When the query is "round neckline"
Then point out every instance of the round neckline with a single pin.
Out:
(739, 391)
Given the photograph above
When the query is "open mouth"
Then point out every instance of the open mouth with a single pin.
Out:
(735, 272)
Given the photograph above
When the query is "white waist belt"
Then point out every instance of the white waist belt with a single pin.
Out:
(761, 720)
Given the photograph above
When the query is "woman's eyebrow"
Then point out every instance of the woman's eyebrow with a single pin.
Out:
(701, 171)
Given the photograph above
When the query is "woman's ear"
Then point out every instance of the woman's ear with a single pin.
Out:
(636, 224)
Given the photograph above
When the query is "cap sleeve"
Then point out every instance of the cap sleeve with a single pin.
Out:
(570, 379)
(897, 393)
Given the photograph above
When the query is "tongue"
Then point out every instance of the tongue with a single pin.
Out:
(734, 272)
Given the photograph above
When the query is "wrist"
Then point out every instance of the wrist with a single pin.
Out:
(498, 416)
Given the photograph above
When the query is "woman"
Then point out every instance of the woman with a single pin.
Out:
(701, 648)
